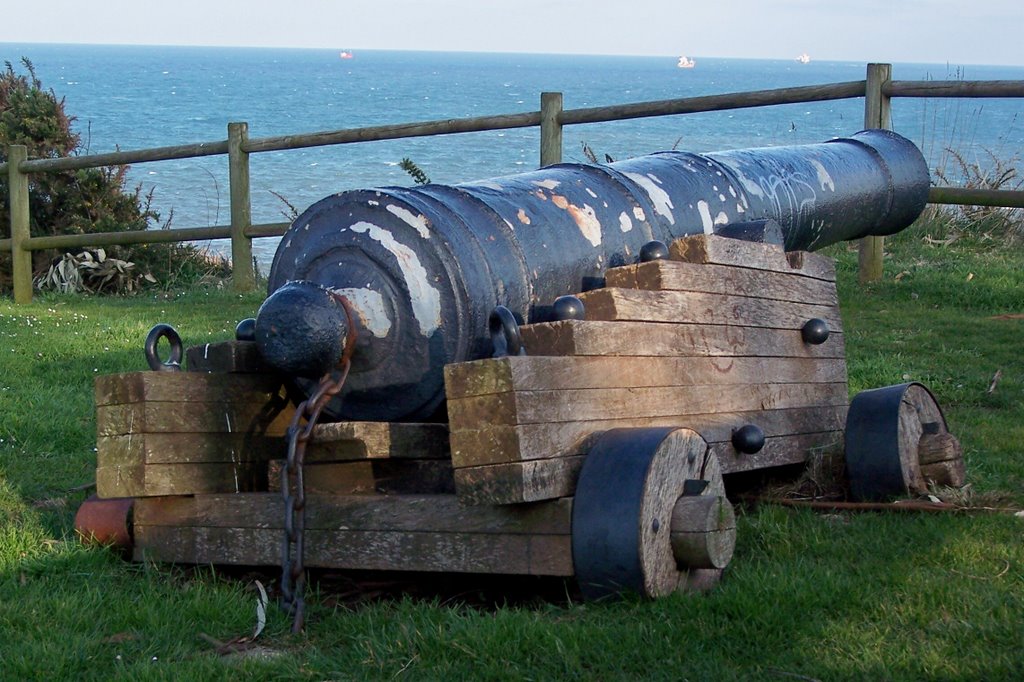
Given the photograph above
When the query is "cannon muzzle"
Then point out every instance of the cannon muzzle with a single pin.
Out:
(424, 267)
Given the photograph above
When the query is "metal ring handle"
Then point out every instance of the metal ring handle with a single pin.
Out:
(504, 332)
(173, 363)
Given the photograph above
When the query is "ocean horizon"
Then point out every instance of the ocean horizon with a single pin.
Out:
(134, 97)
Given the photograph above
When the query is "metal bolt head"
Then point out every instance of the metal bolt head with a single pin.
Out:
(653, 250)
(748, 439)
(246, 329)
(815, 331)
(568, 308)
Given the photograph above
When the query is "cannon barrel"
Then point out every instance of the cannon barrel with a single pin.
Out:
(422, 268)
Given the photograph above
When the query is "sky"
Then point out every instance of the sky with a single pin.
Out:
(950, 32)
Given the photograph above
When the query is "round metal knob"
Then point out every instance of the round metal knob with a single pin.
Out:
(653, 250)
(748, 439)
(246, 330)
(568, 308)
(815, 331)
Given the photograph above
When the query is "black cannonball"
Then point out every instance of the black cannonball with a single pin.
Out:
(815, 331)
(748, 439)
(568, 308)
(653, 250)
(246, 330)
(301, 330)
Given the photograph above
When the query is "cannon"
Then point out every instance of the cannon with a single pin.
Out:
(423, 268)
(705, 343)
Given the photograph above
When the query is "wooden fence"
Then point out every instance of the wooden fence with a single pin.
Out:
(877, 89)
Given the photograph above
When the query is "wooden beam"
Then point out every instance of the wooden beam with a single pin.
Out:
(18, 206)
(539, 373)
(640, 305)
(243, 277)
(550, 128)
(715, 250)
(543, 407)
(877, 114)
(671, 275)
(578, 337)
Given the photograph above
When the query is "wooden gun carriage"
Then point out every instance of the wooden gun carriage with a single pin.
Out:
(599, 454)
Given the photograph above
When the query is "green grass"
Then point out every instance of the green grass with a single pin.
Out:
(825, 596)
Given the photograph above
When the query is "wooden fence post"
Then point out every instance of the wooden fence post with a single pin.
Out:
(877, 114)
(21, 258)
(242, 276)
(550, 128)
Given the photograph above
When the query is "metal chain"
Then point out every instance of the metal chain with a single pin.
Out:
(293, 570)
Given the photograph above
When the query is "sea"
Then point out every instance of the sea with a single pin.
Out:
(135, 97)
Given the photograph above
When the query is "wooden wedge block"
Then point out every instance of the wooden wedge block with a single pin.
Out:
(577, 337)
(673, 275)
(721, 310)
(714, 250)
(407, 532)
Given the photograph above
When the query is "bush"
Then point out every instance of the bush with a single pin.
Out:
(73, 202)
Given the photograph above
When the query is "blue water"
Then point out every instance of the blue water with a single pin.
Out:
(132, 97)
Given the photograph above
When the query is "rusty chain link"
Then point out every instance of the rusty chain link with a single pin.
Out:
(293, 570)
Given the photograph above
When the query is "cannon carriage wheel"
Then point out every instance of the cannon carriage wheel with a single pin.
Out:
(897, 442)
(650, 514)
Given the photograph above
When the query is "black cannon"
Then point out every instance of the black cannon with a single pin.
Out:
(423, 268)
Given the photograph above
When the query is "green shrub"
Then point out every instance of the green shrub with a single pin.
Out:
(80, 201)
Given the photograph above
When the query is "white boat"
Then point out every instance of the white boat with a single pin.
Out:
(686, 63)
(345, 54)
(804, 58)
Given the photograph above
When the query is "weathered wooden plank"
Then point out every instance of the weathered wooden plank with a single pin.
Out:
(134, 387)
(534, 373)
(191, 417)
(534, 407)
(169, 448)
(641, 305)
(227, 356)
(577, 337)
(714, 250)
(152, 480)
(413, 513)
(362, 550)
(672, 275)
(500, 444)
(542, 479)
(393, 477)
(377, 440)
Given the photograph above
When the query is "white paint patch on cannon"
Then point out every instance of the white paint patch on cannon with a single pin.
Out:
(424, 299)
(705, 217)
(369, 307)
(547, 184)
(417, 222)
(625, 224)
(823, 177)
(659, 197)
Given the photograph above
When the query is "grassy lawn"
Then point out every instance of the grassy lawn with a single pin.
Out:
(808, 595)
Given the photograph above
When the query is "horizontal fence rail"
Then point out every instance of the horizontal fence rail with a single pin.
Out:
(877, 90)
